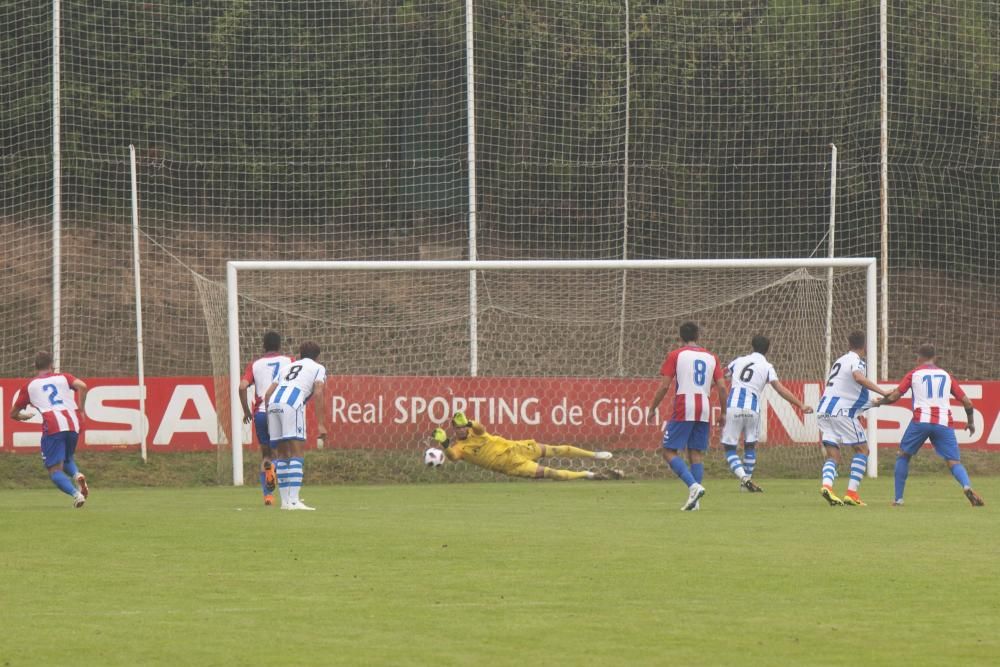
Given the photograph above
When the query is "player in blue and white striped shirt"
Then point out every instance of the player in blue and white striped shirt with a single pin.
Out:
(848, 393)
(749, 375)
(285, 403)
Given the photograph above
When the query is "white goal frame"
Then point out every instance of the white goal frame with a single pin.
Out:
(232, 306)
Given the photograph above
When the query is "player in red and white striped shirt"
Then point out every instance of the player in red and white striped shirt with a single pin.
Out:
(932, 388)
(52, 394)
(260, 373)
(692, 371)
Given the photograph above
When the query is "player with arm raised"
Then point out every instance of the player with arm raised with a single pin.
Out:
(517, 458)
(847, 394)
(52, 394)
(691, 371)
(748, 377)
(260, 373)
(285, 402)
(932, 388)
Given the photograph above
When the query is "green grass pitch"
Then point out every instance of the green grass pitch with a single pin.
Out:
(526, 573)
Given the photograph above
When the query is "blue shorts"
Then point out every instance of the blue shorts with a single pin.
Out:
(260, 426)
(941, 437)
(57, 448)
(686, 435)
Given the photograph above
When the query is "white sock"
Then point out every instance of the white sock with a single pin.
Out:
(295, 476)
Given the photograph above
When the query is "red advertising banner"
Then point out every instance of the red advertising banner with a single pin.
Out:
(180, 415)
(378, 412)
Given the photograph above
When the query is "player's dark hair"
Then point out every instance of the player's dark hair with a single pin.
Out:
(689, 332)
(43, 360)
(856, 339)
(272, 341)
(760, 343)
(309, 350)
(926, 351)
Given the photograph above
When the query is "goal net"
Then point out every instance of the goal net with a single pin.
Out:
(562, 352)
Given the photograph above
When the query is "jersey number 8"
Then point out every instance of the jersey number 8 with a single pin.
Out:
(700, 372)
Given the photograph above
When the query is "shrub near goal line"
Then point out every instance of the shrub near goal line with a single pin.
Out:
(555, 351)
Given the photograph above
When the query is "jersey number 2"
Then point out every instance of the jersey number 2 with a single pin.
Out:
(53, 394)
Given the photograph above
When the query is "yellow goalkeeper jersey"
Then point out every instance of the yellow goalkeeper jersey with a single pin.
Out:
(487, 451)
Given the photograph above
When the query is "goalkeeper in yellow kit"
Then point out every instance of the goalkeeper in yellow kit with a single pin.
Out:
(518, 458)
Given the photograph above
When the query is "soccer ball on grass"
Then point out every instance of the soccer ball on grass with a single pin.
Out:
(433, 457)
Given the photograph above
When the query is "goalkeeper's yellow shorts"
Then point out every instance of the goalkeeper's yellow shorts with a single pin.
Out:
(526, 449)
(520, 459)
(521, 467)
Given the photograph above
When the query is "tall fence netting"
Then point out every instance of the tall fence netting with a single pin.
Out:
(601, 129)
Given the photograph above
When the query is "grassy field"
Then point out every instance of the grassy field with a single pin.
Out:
(501, 574)
(124, 468)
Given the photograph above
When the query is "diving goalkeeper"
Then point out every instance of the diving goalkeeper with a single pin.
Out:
(518, 458)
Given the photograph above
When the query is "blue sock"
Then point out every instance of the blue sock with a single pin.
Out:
(858, 466)
(698, 471)
(681, 470)
(69, 467)
(960, 474)
(294, 472)
(280, 466)
(733, 460)
(749, 458)
(64, 483)
(263, 484)
(829, 472)
(901, 473)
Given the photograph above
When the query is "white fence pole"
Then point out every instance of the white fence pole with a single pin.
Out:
(884, 178)
(140, 356)
(625, 187)
(470, 112)
(56, 187)
(830, 254)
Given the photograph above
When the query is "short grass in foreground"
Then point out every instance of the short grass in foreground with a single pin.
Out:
(502, 574)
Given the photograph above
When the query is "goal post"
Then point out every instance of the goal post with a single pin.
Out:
(550, 321)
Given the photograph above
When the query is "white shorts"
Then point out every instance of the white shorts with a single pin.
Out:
(285, 422)
(841, 430)
(741, 422)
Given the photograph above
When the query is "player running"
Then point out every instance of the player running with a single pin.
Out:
(692, 371)
(261, 373)
(52, 394)
(748, 376)
(932, 388)
(285, 403)
(847, 395)
(517, 458)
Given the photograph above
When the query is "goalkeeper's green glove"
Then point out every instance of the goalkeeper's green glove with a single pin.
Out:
(440, 437)
(460, 420)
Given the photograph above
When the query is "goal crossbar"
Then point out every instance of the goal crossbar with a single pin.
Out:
(232, 303)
